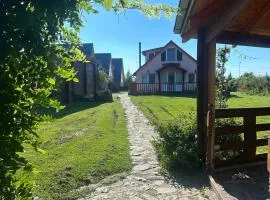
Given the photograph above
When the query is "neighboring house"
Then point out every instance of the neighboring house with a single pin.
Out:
(86, 73)
(104, 61)
(118, 72)
(167, 69)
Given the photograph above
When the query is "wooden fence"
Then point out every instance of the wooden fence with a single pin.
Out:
(250, 141)
(153, 88)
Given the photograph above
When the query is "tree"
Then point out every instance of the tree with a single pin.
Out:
(103, 79)
(221, 83)
(128, 79)
(31, 60)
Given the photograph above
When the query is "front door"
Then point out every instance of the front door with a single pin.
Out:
(171, 81)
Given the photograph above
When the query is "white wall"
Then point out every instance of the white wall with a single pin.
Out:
(155, 64)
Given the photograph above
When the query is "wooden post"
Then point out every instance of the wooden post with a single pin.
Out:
(210, 156)
(250, 137)
(202, 61)
(268, 164)
(268, 157)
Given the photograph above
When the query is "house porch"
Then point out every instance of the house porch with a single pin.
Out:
(171, 78)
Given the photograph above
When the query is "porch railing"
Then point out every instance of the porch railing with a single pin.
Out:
(152, 88)
(250, 142)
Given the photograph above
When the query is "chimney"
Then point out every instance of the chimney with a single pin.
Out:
(140, 54)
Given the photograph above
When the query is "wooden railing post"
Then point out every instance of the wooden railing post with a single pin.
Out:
(268, 164)
(211, 82)
(250, 136)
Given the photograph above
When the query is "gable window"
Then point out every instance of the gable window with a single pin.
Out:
(171, 54)
(179, 55)
(152, 78)
(163, 56)
(191, 78)
(151, 56)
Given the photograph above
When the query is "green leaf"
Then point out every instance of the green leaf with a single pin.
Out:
(76, 80)
(19, 89)
(51, 81)
(41, 151)
(108, 4)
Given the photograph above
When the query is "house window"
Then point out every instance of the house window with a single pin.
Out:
(163, 77)
(171, 54)
(151, 56)
(152, 78)
(145, 78)
(191, 78)
(179, 55)
(171, 77)
(163, 56)
(178, 77)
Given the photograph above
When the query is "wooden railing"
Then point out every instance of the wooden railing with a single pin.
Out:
(268, 164)
(152, 88)
(249, 128)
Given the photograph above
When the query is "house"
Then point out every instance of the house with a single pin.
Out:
(89, 86)
(86, 74)
(167, 69)
(104, 61)
(118, 72)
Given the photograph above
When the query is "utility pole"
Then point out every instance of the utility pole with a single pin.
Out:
(140, 54)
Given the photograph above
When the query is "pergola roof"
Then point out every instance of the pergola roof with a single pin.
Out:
(244, 22)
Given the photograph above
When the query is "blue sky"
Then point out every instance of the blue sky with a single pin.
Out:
(120, 35)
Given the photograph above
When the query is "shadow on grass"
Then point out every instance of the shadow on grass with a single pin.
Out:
(71, 108)
(235, 96)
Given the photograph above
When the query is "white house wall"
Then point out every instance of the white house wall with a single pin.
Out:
(155, 64)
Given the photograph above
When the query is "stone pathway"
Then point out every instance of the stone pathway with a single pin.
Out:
(145, 180)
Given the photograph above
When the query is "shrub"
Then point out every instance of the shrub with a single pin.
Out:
(177, 144)
(228, 139)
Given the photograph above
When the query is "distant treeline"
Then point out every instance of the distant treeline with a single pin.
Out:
(249, 83)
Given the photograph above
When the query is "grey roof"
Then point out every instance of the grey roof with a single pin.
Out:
(88, 50)
(104, 59)
(117, 69)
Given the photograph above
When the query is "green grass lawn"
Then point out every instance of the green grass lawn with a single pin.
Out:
(85, 143)
(165, 108)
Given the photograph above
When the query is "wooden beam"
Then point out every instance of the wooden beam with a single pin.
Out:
(228, 15)
(262, 12)
(201, 91)
(237, 38)
(268, 156)
(210, 158)
(203, 17)
(189, 34)
(209, 13)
